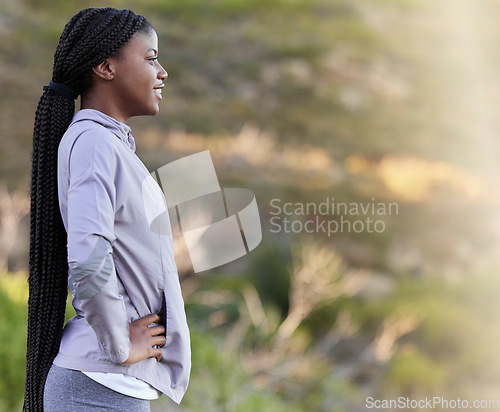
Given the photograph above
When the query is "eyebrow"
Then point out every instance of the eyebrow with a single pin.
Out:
(152, 50)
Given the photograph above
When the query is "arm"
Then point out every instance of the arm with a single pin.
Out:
(91, 214)
(93, 278)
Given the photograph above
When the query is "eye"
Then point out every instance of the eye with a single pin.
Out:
(153, 59)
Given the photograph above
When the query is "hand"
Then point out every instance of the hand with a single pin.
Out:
(143, 339)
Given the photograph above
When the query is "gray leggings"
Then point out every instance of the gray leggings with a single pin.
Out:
(73, 391)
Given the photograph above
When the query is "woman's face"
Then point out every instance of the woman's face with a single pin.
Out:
(138, 76)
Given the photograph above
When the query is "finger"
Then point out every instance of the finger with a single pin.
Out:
(159, 340)
(156, 330)
(156, 353)
(147, 320)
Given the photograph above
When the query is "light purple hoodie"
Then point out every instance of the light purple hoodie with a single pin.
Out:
(119, 269)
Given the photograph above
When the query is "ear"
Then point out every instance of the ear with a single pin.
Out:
(104, 70)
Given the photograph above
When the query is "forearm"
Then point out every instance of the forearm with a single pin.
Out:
(95, 286)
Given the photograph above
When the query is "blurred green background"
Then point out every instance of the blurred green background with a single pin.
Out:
(383, 101)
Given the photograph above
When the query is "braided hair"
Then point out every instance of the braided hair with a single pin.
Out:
(90, 37)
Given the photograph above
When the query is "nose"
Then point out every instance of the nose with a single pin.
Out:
(162, 73)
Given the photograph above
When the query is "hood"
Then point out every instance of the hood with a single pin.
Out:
(119, 129)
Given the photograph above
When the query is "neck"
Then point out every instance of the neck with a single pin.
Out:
(104, 103)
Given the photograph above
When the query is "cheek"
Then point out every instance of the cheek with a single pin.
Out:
(136, 83)
(147, 79)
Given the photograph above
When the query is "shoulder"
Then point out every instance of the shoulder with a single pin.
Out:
(89, 146)
(87, 133)
(86, 139)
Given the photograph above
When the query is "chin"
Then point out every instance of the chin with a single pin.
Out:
(150, 111)
(155, 109)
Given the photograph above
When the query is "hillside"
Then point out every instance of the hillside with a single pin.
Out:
(366, 103)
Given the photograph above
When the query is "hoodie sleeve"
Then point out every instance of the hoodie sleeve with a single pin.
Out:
(91, 214)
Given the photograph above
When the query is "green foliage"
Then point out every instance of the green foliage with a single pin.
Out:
(454, 339)
(12, 352)
(219, 382)
(269, 272)
(13, 329)
(412, 371)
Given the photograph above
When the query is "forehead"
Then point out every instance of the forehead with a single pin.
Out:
(142, 42)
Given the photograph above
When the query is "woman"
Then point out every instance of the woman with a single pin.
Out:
(129, 340)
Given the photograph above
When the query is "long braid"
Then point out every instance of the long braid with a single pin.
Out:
(90, 37)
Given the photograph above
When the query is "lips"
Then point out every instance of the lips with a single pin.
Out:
(157, 90)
